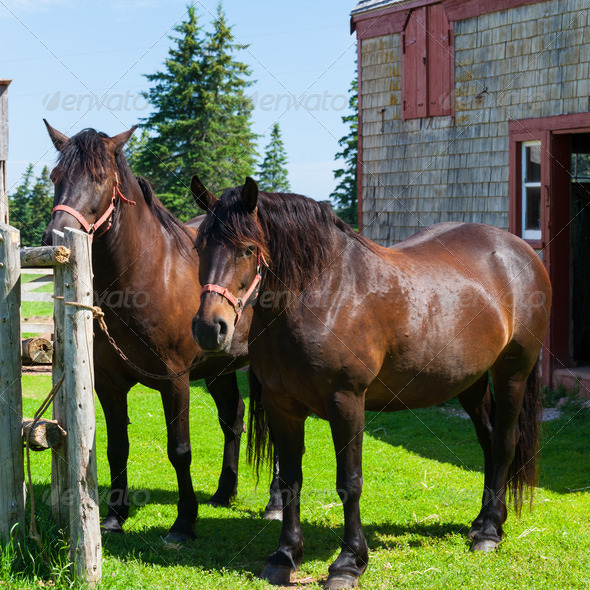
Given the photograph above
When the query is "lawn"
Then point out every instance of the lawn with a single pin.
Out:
(35, 309)
(423, 482)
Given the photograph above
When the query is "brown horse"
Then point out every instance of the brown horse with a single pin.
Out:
(342, 325)
(145, 270)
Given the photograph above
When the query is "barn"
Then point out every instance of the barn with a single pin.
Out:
(479, 111)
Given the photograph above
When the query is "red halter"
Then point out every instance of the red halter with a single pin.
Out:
(238, 303)
(92, 227)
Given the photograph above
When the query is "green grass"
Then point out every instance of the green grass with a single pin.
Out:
(423, 483)
(36, 308)
(33, 309)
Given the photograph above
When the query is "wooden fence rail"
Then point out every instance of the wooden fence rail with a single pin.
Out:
(74, 481)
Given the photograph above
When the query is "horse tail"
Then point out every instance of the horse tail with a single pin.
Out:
(259, 439)
(523, 470)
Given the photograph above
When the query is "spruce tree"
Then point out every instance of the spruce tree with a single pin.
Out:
(201, 119)
(344, 196)
(273, 172)
(19, 211)
(31, 205)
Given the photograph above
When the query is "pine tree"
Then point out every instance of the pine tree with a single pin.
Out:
(273, 172)
(202, 116)
(31, 205)
(344, 196)
(19, 211)
(42, 206)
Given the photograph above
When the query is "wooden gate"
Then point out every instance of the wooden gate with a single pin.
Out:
(74, 495)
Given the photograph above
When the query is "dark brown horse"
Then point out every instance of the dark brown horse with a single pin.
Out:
(145, 270)
(342, 325)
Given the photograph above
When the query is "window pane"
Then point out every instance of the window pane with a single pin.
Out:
(532, 211)
(532, 163)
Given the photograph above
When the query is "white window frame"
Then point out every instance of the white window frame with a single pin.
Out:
(528, 234)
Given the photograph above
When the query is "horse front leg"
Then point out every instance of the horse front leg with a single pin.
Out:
(288, 437)
(230, 409)
(113, 400)
(346, 413)
(175, 398)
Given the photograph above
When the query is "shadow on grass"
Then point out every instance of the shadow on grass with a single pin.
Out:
(439, 434)
(240, 541)
(242, 544)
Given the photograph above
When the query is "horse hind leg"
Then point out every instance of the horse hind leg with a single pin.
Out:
(478, 402)
(175, 398)
(274, 508)
(113, 400)
(230, 409)
(514, 448)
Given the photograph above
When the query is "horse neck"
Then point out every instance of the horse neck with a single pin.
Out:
(125, 245)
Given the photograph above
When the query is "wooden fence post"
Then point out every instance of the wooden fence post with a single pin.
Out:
(84, 521)
(3, 149)
(60, 505)
(12, 495)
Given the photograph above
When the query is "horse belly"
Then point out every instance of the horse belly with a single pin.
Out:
(435, 369)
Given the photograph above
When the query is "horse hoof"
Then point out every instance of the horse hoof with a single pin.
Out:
(340, 582)
(108, 526)
(273, 514)
(278, 575)
(218, 503)
(486, 545)
(178, 538)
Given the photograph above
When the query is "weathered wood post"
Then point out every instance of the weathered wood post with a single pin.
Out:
(3, 149)
(76, 479)
(12, 495)
(59, 457)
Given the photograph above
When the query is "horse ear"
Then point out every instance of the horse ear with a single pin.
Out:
(118, 141)
(250, 194)
(57, 137)
(203, 198)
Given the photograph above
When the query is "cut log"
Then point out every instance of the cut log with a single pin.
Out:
(44, 256)
(37, 351)
(47, 434)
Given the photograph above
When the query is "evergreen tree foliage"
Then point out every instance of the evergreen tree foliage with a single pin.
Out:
(344, 196)
(30, 206)
(272, 177)
(202, 116)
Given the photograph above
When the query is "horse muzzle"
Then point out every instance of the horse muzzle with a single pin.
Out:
(214, 335)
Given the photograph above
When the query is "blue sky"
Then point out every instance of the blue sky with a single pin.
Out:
(80, 64)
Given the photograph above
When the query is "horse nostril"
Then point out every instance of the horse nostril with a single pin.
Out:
(222, 329)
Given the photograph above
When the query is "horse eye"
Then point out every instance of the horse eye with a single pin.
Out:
(249, 251)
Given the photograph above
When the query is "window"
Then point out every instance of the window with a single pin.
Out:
(427, 64)
(531, 190)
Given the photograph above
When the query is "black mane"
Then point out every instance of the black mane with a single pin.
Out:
(294, 233)
(86, 154)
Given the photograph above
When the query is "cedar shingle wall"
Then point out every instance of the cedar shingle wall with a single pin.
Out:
(530, 61)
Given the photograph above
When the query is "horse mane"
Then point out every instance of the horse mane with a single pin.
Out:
(86, 153)
(295, 234)
(164, 216)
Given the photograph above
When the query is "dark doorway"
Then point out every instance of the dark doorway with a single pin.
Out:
(580, 248)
